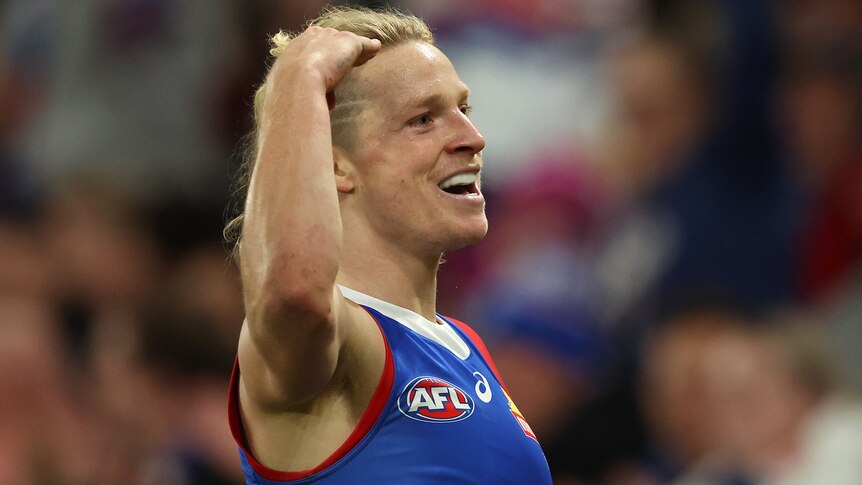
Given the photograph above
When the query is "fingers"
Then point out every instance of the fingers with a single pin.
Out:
(362, 48)
(370, 48)
(330, 54)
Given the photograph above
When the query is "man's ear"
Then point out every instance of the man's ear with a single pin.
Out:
(344, 171)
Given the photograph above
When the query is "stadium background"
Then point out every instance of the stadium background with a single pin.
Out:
(672, 284)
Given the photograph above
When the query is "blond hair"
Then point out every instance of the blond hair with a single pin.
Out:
(390, 27)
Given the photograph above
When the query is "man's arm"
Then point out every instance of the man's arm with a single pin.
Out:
(292, 233)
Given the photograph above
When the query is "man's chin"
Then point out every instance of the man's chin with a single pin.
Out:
(469, 236)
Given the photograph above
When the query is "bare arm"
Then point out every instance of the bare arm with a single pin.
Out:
(292, 232)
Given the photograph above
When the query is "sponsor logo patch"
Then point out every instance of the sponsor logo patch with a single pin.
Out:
(520, 418)
(434, 400)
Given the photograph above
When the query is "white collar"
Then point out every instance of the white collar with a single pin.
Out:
(441, 333)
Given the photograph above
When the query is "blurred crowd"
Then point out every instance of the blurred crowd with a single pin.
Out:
(671, 286)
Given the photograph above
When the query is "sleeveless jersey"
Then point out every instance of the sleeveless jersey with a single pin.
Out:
(440, 414)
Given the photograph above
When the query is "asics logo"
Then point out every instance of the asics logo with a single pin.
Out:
(483, 390)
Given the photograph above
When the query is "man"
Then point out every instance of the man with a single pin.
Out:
(365, 171)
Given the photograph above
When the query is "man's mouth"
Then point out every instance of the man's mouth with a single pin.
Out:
(461, 184)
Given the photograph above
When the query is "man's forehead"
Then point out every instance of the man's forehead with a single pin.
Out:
(412, 74)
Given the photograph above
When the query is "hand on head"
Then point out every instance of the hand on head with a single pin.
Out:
(327, 53)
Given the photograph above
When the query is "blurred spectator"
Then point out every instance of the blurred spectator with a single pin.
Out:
(663, 111)
(662, 116)
(160, 374)
(106, 393)
(675, 395)
(822, 111)
(775, 409)
(732, 403)
(104, 258)
(44, 437)
(697, 150)
(183, 358)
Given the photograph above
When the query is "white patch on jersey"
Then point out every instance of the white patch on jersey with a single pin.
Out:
(441, 332)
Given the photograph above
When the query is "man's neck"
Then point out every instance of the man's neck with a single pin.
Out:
(391, 275)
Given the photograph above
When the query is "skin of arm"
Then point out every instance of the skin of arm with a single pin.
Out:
(296, 318)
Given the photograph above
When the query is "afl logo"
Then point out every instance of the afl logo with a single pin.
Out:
(434, 400)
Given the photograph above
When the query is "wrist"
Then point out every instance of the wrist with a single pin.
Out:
(293, 86)
(303, 74)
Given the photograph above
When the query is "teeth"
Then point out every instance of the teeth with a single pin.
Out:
(460, 179)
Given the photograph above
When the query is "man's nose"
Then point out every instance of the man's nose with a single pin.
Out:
(465, 137)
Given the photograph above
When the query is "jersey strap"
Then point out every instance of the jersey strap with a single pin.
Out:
(480, 345)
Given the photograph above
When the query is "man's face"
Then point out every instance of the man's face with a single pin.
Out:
(416, 154)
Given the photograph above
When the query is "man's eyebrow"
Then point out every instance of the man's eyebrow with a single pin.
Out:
(434, 99)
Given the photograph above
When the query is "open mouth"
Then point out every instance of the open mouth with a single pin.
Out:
(461, 184)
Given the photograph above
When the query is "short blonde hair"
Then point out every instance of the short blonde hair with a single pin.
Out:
(390, 27)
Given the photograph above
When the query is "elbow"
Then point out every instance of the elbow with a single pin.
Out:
(301, 301)
(303, 298)
(290, 283)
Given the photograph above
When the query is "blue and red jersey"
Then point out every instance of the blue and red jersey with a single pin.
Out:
(440, 414)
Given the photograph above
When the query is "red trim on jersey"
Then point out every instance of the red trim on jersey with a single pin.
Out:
(477, 341)
(366, 422)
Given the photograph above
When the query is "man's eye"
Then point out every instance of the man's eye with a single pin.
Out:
(466, 109)
(423, 120)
